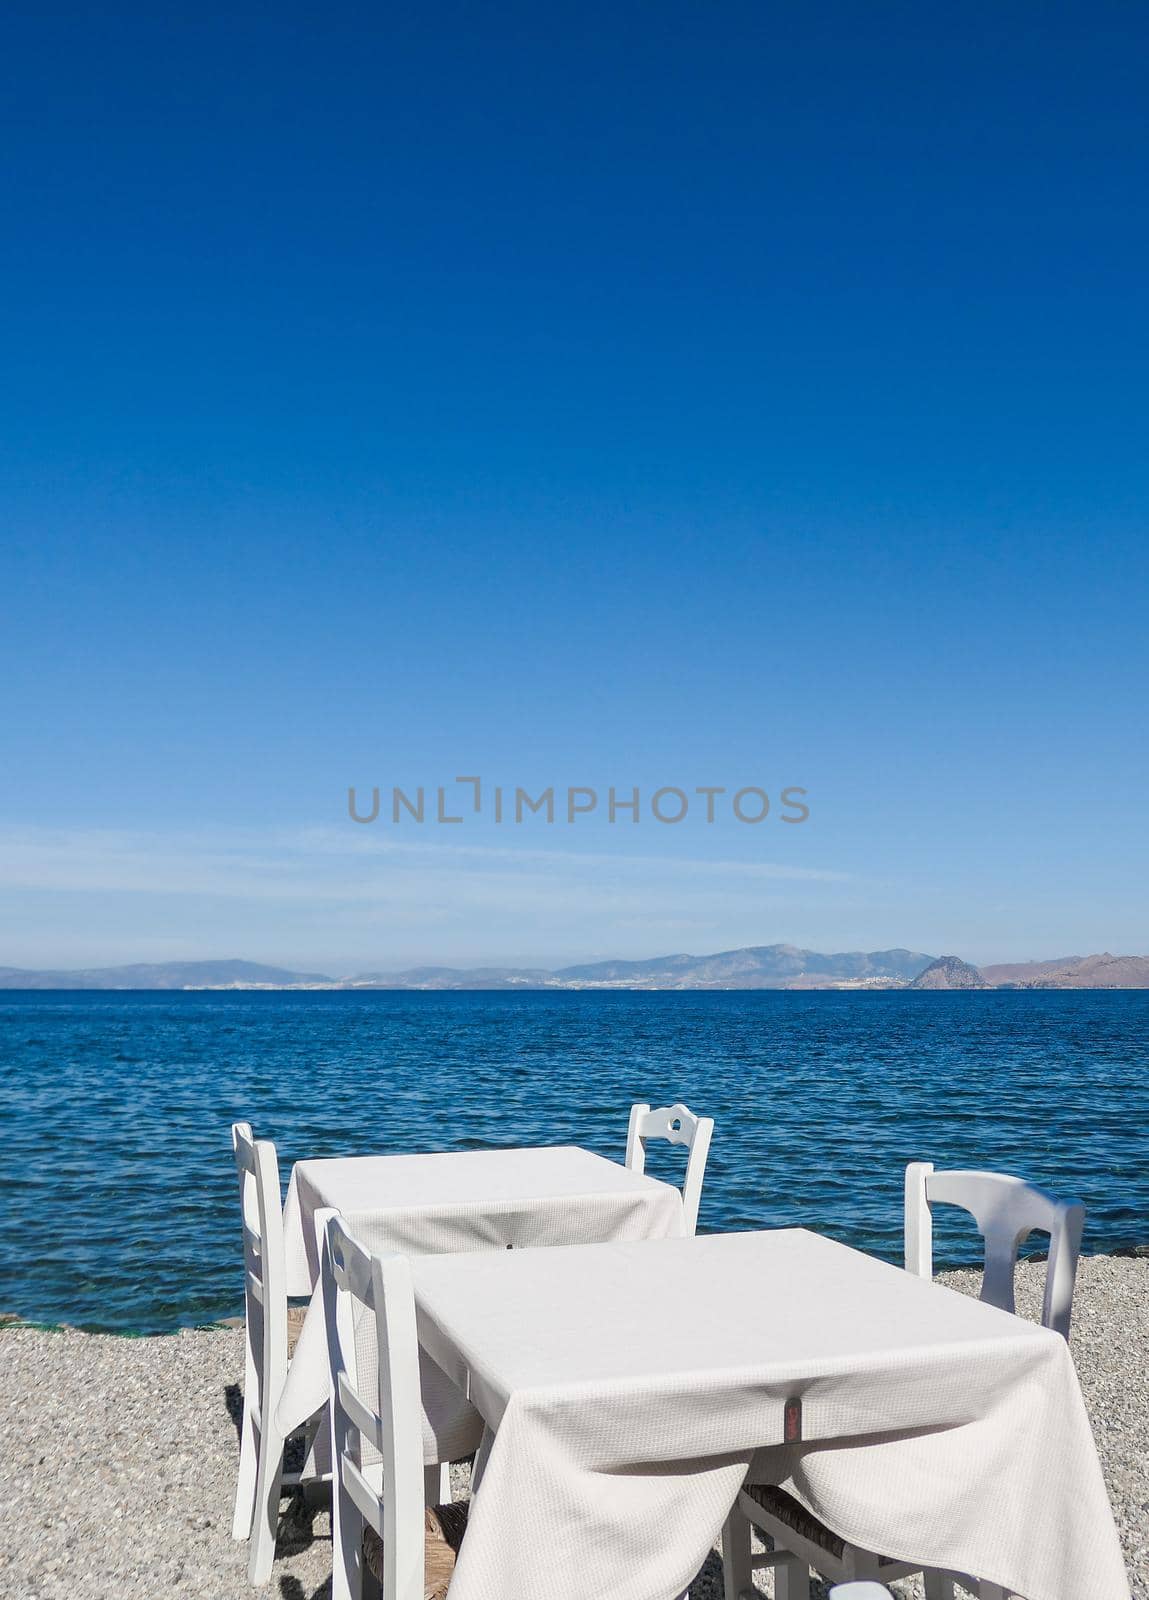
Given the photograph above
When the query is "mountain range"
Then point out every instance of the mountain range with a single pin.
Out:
(772, 966)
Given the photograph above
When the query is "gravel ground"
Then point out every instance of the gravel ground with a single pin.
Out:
(119, 1454)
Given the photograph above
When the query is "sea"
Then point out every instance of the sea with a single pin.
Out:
(115, 1108)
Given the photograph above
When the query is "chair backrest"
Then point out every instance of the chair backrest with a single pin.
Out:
(264, 1263)
(356, 1284)
(677, 1125)
(1005, 1210)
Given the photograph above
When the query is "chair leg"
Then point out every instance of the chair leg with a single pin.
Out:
(347, 1547)
(792, 1579)
(265, 1525)
(861, 1566)
(437, 1484)
(938, 1585)
(736, 1574)
(248, 1459)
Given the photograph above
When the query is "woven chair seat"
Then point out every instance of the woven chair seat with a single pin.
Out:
(443, 1530)
(295, 1316)
(794, 1515)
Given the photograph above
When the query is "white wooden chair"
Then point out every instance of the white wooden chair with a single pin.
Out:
(380, 1426)
(1006, 1210)
(677, 1125)
(272, 1327)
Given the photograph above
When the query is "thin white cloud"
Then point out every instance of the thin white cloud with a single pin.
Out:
(320, 899)
(289, 864)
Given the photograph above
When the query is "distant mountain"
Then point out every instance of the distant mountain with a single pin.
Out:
(765, 966)
(165, 975)
(772, 966)
(1072, 972)
(949, 972)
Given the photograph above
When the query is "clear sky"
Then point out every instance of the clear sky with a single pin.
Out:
(737, 395)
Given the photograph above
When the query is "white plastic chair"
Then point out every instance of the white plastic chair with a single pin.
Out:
(860, 1591)
(387, 1495)
(267, 1352)
(677, 1125)
(1006, 1210)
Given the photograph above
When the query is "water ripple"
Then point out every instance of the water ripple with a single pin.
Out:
(116, 1111)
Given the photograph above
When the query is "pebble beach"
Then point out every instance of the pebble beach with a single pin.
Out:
(119, 1454)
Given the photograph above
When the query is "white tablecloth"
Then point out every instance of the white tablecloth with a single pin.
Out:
(455, 1201)
(631, 1386)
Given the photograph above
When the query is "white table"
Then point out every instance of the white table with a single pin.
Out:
(631, 1386)
(456, 1201)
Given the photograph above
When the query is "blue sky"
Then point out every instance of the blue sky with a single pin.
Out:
(678, 395)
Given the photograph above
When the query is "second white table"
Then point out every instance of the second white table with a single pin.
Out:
(456, 1201)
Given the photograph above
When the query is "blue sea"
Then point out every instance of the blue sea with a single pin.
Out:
(121, 1195)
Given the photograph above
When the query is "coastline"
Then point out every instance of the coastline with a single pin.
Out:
(13, 1319)
(845, 986)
